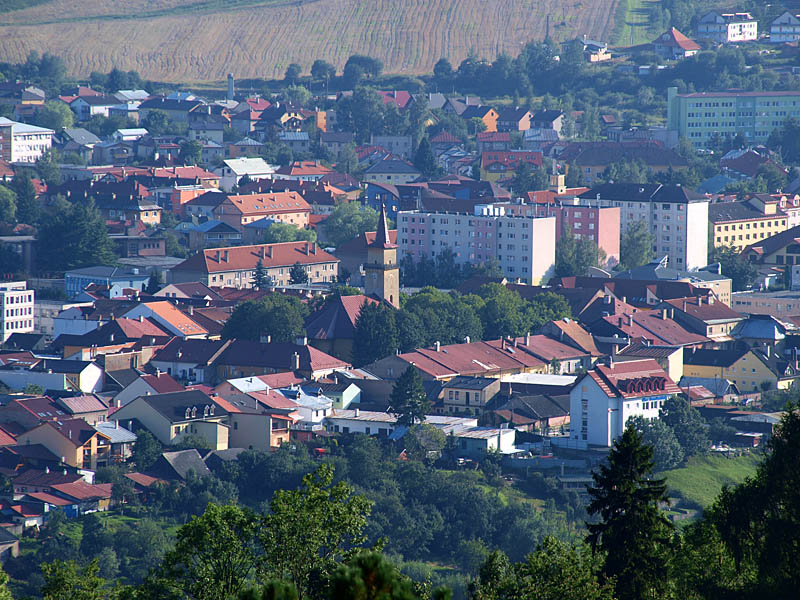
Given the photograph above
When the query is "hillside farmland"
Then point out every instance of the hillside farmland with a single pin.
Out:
(203, 40)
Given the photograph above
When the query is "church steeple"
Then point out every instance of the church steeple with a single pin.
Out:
(381, 271)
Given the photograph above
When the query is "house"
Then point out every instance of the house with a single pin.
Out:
(673, 45)
(303, 170)
(740, 224)
(145, 385)
(391, 170)
(400, 145)
(603, 400)
(724, 28)
(776, 250)
(209, 129)
(239, 210)
(213, 233)
(542, 413)
(53, 374)
(23, 143)
(334, 141)
(504, 165)
(16, 309)
(116, 279)
(548, 119)
(177, 109)
(190, 360)
(297, 141)
(785, 28)
(489, 141)
(669, 358)
(332, 328)
(235, 266)
(707, 317)
(748, 368)
(593, 158)
(343, 394)
(468, 395)
(486, 114)
(514, 119)
(169, 318)
(593, 50)
(653, 326)
(243, 358)
(85, 107)
(173, 416)
(79, 444)
(233, 169)
(177, 466)
(120, 439)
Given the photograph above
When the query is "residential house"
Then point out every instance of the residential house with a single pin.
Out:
(539, 413)
(673, 45)
(593, 158)
(653, 326)
(468, 395)
(79, 444)
(493, 141)
(669, 358)
(243, 358)
(603, 400)
(233, 169)
(504, 165)
(53, 374)
(213, 233)
(169, 318)
(707, 317)
(390, 170)
(593, 50)
(145, 385)
(741, 224)
(486, 114)
(303, 170)
(776, 250)
(785, 28)
(235, 266)
(332, 328)
(748, 368)
(548, 119)
(239, 210)
(190, 360)
(209, 128)
(85, 107)
(297, 141)
(177, 109)
(334, 141)
(175, 466)
(724, 28)
(514, 119)
(400, 145)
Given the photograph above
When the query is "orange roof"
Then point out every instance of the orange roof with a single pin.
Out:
(265, 204)
(142, 479)
(634, 379)
(80, 490)
(238, 258)
(162, 383)
(176, 318)
(182, 173)
(676, 39)
(304, 168)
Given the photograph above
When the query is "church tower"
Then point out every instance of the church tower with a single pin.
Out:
(381, 272)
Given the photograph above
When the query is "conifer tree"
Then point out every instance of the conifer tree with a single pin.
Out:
(409, 401)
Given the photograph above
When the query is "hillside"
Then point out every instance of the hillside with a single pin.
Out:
(203, 40)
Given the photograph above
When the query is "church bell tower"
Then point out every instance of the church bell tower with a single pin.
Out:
(381, 272)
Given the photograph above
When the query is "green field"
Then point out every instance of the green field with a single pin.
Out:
(702, 479)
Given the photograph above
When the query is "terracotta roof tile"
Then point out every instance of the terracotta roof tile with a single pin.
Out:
(634, 379)
(239, 258)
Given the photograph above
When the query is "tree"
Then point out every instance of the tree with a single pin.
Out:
(278, 316)
(742, 272)
(191, 152)
(154, 282)
(443, 73)
(55, 115)
(292, 74)
(409, 403)
(29, 208)
(8, 205)
(146, 450)
(369, 576)
(5, 593)
(347, 159)
(310, 531)
(375, 335)
(47, 167)
(298, 274)
(275, 589)
(759, 521)
(286, 232)
(95, 535)
(424, 158)
(322, 70)
(687, 423)
(424, 442)
(636, 245)
(261, 280)
(65, 580)
(214, 554)
(156, 122)
(72, 236)
(667, 451)
(632, 531)
(347, 220)
(573, 256)
(298, 95)
(528, 179)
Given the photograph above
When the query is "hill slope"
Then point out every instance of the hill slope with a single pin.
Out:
(203, 40)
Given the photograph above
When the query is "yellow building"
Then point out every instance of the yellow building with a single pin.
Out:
(77, 443)
(741, 224)
(750, 370)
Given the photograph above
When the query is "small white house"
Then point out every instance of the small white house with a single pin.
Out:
(233, 169)
(607, 396)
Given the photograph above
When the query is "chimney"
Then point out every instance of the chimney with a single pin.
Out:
(225, 255)
(217, 255)
(295, 361)
(528, 339)
(664, 314)
(629, 318)
(466, 339)
(684, 306)
(141, 318)
(191, 309)
(438, 346)
(699, 301)
(356, 412)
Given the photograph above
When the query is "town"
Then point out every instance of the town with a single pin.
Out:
(429, 320)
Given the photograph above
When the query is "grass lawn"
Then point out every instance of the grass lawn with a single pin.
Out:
(633, 23)
(701, 480)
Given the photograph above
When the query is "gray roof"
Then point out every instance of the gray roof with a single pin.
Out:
(116, 433)
(715, 385)
(759, 327)
(293, 136)
(81, 136)
(393, 166)
(181, 463)
(107, 273)
(473, 383)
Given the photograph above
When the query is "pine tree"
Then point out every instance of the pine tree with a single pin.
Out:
(154, 283)
(409, 402)
(376, 334)
(632, 532)
(298, 274)
(28, 206)
(424, 159)
(261, 280)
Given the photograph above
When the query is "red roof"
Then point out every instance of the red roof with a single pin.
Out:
(240, 258)
(279, 380)
(510, 160)
(258, 103)
(6, 439)
(445, 137)
(6, 170)
(399, 98)
(264, 204)
(304, 168)
(135, 329)
(80, 490)
(494, 136)
(634, 379)
(675, 39)
(162, 383)
(650, 325)
(142, 479)
(49, 498)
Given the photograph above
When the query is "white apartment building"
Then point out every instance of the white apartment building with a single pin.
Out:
(16, 308)
(726, 28)
(677, 217)
(23, 143)
(524, 246)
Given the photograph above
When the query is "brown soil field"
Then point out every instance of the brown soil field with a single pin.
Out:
(203, 40)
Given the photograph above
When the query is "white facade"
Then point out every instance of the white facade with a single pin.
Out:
(16, 303)
(727, 27)
(524, 247)
(23, 143)
(680, 228)
(598, 419)
(785, 28)
(234, 169)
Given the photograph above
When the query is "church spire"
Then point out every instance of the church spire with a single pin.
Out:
(382, 239)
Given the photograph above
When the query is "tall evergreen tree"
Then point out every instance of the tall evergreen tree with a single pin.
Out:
(261, 280)
(154, 282)
(376, 334)
(424, 158)
(632, 532)
(298, 274)
(28, 207)
(409, 402)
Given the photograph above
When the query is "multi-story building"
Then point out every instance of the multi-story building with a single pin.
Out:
(785, 28)
(17, 303)
(239, 210)
(755, 115)
(724, 28)
(23, 143)
(523, 246)
(740, 224)
(677, 217)
(236, 266)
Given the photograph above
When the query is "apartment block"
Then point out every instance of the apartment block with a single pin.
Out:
(740, 224)
(724, 28)
(23, 143)
(16, 301)
(523, 246)
(677, 217)
(755, 115)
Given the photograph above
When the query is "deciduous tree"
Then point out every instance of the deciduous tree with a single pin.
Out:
(376, 334)
(636, 245)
